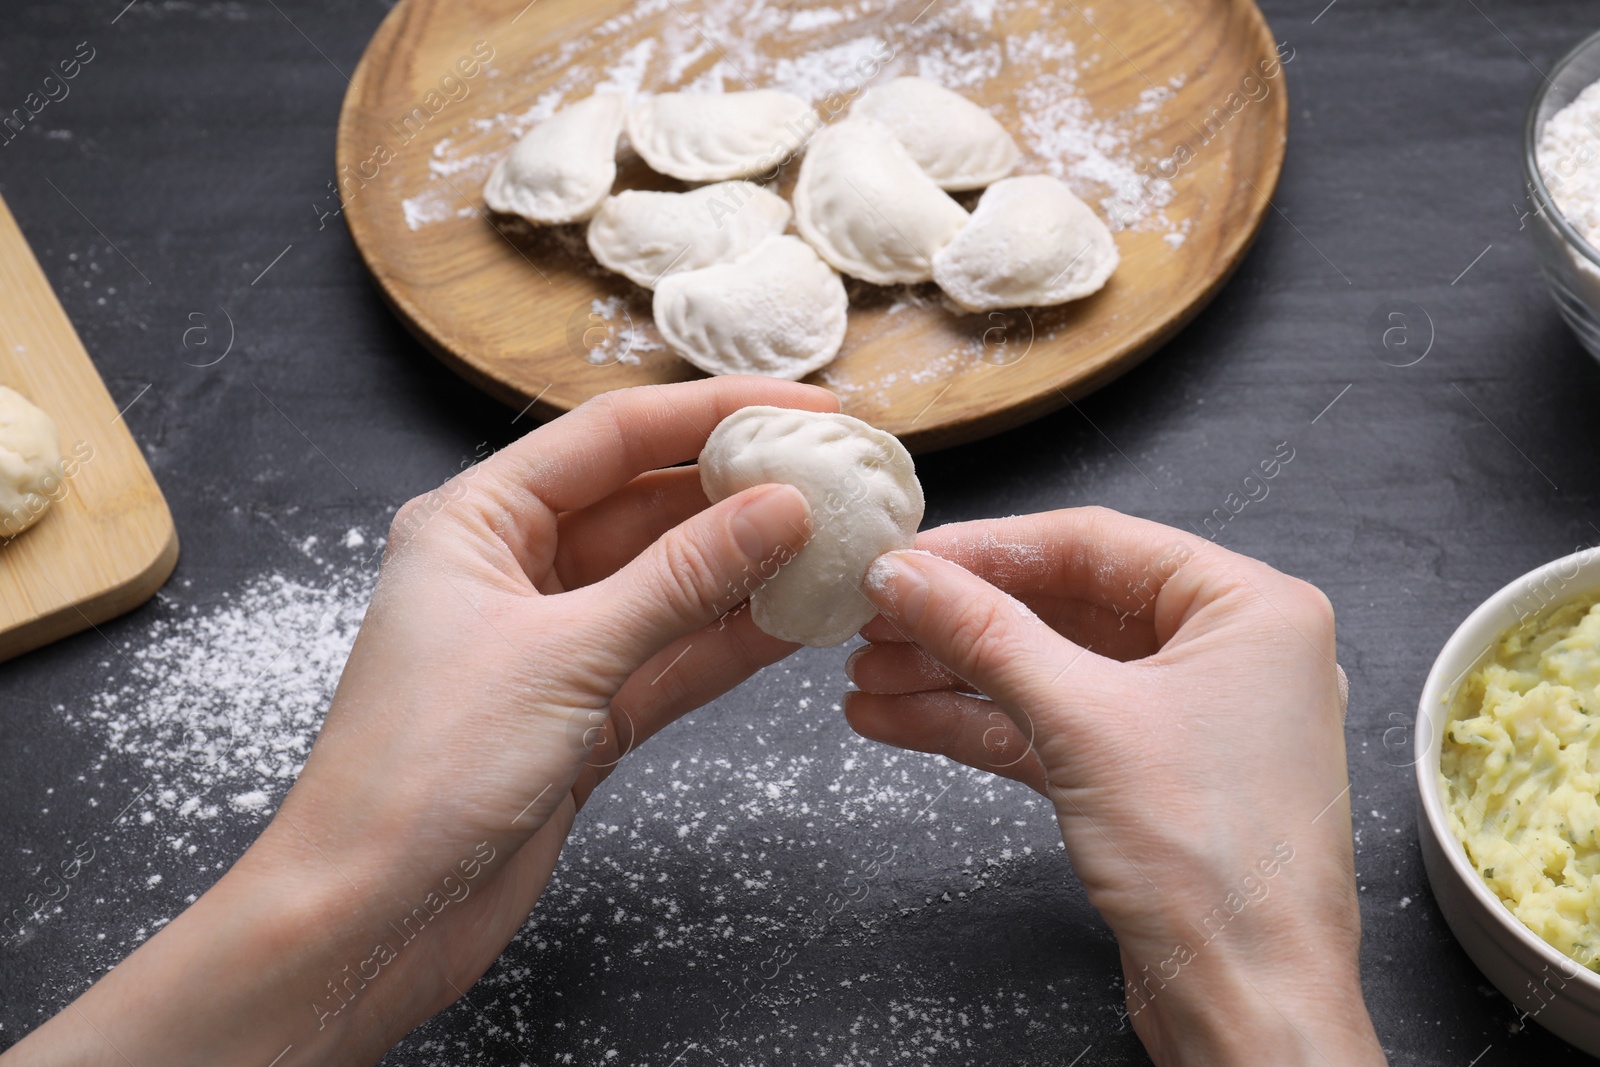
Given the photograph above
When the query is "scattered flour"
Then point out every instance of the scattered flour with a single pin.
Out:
(426, 208)
(622, 337)
(625, 75)
(814, 19)
(1059, 127)
(228, 701)
(701, 863)
(817, 73)
(819, 51)
(255, 800)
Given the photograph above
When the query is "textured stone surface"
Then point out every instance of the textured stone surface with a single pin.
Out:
(199, 141)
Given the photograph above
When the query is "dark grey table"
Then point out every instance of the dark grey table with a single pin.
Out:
(193, 150)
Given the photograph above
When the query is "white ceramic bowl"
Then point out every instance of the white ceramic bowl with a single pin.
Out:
(1557, 993)
(1570, 264)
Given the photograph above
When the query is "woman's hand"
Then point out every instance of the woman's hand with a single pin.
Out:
(1181, 707)
(535, 619)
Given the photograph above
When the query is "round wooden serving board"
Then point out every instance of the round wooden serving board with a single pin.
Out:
(1170, 115)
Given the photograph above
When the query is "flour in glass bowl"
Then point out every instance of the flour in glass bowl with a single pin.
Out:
(1569, 162)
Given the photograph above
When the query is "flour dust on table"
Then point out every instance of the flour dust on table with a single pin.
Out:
(205, 716)
(712, 853)
(753, 882)
(219, 705)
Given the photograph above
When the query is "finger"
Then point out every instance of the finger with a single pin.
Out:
(697, 571)
(966, 729)
(597, 540)
(686, 675)
(1109, 633)
(976, 630)
(598, 447)
(898, 667)
(1093, 555)
(1112, 634)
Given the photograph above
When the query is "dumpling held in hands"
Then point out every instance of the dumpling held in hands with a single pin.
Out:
(865, 500)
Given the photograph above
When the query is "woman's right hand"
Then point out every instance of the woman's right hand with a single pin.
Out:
(1180, 706)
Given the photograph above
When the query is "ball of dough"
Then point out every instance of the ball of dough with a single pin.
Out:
(865, 500)
(30, 462)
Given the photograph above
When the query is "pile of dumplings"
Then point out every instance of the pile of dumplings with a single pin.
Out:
(735, 294)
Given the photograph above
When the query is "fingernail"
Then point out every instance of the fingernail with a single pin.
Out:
(850, 663)
(897, 587)
(774, 517)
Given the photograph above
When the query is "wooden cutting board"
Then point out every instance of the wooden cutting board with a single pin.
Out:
(109, 544)
(528, 316)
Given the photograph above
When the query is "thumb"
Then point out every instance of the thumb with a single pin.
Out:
(702, 568)
(982, 634)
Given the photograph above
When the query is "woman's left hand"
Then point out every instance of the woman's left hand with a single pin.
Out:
(535, 619)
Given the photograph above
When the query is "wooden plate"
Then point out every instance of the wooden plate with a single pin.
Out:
(1170, 114)
(107, 543)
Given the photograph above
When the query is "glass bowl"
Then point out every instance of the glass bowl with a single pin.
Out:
(1570, 264)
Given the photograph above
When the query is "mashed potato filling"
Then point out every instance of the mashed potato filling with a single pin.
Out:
(1521, 764)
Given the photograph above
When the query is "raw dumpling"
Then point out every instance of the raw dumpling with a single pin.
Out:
(1030, 243)
(30, 463)
(865, 500)
(710, 137)
(779, 311)
(958, 143)
(866, 206)
(645, 235)
(562, 169)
